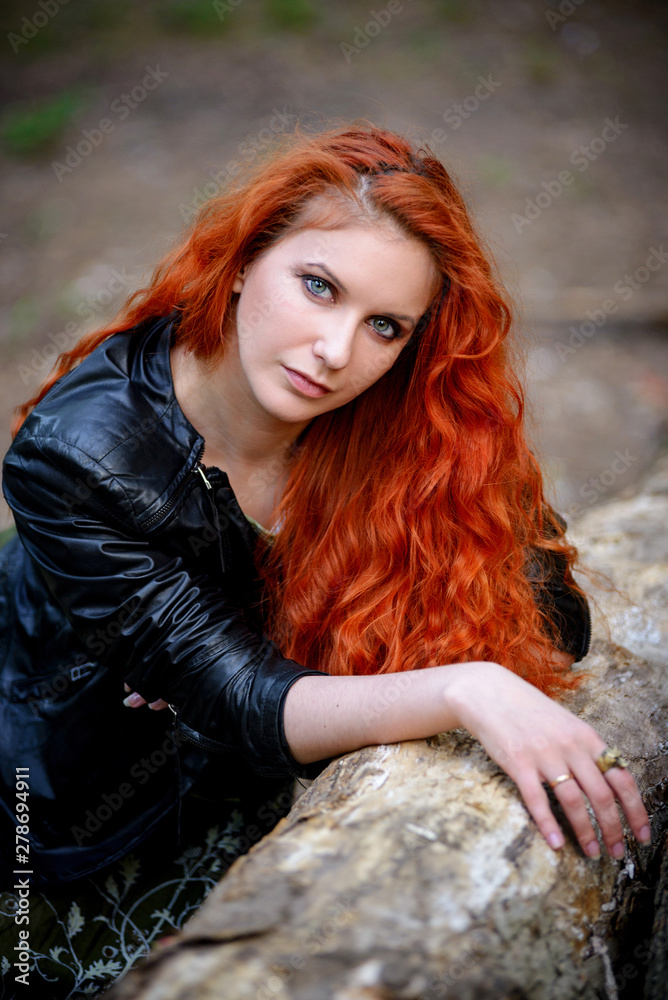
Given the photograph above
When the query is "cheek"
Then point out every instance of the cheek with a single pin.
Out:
(372, 366)
(262, 313)
(282, 320)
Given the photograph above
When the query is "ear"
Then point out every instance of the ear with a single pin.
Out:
(239, 280)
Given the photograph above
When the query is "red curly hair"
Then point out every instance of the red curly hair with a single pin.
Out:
(403, 541)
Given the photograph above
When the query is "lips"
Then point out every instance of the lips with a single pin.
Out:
(305, 384)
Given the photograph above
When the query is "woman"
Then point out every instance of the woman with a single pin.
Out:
(294, 466)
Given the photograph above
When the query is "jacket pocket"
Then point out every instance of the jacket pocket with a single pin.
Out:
(44, 689)
(39, 705)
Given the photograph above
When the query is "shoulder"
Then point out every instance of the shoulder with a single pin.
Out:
(110, 396)
(113, 420)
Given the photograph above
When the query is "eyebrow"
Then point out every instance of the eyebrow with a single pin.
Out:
(323, 267)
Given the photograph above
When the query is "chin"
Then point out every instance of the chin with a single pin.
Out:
(290, 412)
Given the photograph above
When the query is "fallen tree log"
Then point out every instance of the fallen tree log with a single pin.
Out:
(413, 871)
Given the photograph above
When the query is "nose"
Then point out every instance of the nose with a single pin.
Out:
(335, 339)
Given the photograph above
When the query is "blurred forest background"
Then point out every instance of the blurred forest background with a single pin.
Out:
(119, 118)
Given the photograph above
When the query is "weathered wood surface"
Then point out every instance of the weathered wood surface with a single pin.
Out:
(414, 872)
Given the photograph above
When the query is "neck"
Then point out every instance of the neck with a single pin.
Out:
(239, 435)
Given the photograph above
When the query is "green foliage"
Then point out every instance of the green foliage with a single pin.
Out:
(74, 23)
(540, 60)
(23, 317)
(495, 170)
(194, 17)
(294, 15)
(6, 536)
(456, 11)
(33, 127)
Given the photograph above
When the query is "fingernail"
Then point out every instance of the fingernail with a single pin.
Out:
(133, 700)
(593, 850)
(618, 851)
(645, 835)
(555, 840)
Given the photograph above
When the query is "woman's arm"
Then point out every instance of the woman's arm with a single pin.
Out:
(533, 738)
(143, 607)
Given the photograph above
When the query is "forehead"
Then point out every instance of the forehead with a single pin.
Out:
(369, 260)
(353, 242)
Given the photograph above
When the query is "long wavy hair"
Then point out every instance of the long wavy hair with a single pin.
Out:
(404, 541)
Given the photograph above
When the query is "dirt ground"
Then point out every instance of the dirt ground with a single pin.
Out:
(552, 116)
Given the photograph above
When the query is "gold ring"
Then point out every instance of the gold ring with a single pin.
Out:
(562, 777)
(611, 757)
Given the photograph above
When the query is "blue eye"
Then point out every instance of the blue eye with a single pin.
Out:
(389, 327)
(324, 285)
(316, 286)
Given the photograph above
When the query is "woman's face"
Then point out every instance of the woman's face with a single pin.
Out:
(324, 313)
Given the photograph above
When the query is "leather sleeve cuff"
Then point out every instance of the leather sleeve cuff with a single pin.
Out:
(567, 610)
(569, 613)
(259, 734)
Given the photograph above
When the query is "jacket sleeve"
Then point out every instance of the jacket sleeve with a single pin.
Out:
(140, 610)
(566, 609)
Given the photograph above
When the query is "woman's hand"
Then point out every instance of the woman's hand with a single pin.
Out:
(535, 740)
(135, 700)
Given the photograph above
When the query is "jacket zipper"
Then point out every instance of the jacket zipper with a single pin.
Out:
(200, 468)
(201, 741)
(166, 507)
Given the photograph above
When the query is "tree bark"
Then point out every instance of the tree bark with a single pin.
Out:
(413, 871)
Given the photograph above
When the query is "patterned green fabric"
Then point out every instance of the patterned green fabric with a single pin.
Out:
(269, 535)
(84, 935)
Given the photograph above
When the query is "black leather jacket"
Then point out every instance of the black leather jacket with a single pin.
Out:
(133, 563)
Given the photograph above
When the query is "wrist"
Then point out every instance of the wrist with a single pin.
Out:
(464, 684)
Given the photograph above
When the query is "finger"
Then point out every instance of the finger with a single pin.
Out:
(589, 781)
(624, 787)
(538, 804)
(158, 705)
(572, 801)
(134, 700)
